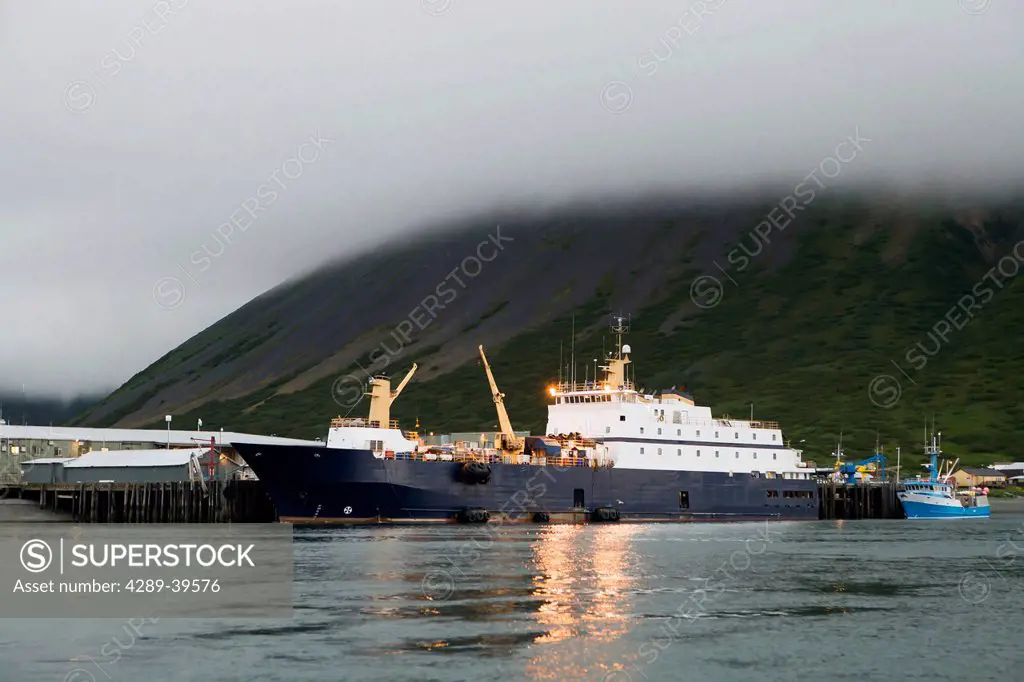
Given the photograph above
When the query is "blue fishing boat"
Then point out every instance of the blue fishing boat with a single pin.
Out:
(937, 498)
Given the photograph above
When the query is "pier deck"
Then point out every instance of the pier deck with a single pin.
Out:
(176, 502)
(246, 502)
(859, 501)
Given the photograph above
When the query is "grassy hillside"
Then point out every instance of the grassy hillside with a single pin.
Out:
(805, 344)
(818, 328)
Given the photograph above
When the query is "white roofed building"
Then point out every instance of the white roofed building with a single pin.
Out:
(19, 444)
(126, 466)
(1011, 469)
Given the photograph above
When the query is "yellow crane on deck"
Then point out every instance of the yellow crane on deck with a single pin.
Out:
(510, 443)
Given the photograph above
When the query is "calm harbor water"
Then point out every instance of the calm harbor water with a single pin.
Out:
(617, 603)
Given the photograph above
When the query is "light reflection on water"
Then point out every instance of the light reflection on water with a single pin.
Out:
(585, 580)
(830, 601)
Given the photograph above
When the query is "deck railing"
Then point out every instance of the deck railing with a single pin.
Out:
(592, 387)
(360, 422)
(572, 442)
(494, 458)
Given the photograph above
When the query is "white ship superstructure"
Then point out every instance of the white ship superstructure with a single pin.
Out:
(666, 430)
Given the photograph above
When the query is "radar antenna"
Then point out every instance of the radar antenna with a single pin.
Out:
(620, 327)
(615, 370)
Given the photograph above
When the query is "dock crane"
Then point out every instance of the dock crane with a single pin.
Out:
(381, 397)
(866, 468)
(852, 472)
(511, 443)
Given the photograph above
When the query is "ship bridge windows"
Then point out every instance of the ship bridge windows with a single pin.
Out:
(585, 399)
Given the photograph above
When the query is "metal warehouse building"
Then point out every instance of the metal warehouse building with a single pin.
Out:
(123, 466)
(48, 471)
(49, 445)
(133, 466)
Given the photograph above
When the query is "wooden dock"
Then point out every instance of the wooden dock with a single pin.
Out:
(246, 502)
(178, 502)
(859, 501)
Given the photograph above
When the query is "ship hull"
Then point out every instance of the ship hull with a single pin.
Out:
(312, 485)
(916, 509)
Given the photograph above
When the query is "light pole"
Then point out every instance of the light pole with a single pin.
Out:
(168, 420)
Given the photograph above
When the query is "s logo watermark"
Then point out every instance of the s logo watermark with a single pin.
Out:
(36, 556)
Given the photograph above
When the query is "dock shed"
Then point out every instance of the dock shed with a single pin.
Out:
(1013, 470)
(134, 466)
(19, 444)
(44, 470)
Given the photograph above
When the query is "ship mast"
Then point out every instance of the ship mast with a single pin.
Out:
(511, 442)
(933, 450)
(381, 397)
(615, 370)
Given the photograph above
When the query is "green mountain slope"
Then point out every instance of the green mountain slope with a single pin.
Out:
(817, 325)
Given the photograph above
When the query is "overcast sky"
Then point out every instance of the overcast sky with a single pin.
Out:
(132, 130)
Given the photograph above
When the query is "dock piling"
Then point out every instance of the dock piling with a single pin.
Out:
(858, 501)
(164, 502)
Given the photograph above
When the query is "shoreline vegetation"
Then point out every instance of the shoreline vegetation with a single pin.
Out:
(1007, 505)
(1009, 492)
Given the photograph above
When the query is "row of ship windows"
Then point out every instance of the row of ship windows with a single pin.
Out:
(798, 494)
(679, 453)
(679, 432)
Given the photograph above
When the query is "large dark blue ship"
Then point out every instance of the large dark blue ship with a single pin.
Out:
(612, 453)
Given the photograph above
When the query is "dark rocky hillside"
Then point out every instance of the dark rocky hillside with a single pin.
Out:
(816, 323)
